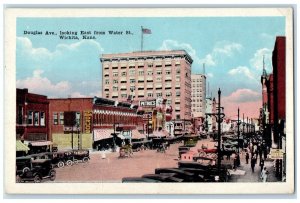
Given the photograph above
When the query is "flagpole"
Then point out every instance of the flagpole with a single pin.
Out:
(141, 38)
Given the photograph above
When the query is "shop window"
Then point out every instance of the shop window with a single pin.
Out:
(36, 118)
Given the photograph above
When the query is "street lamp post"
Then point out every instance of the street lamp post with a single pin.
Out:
(219, 118)
(238, 162)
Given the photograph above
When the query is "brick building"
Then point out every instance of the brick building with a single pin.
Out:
(61, 134)
(32, 113)
(150, 75)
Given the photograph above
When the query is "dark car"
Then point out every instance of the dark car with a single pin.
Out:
(178, 173)
(163, 177)
(81, 155)
(35, 170)
(138, 180)
(62, 158)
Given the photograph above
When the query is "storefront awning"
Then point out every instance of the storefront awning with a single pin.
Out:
(20, 146)
(101, 134)
(137, 135)
(40, 143)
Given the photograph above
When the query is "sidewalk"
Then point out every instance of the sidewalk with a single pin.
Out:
(253, 176)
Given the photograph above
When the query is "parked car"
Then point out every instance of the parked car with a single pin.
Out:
(35, 170)
(139, 180)
(81, 155)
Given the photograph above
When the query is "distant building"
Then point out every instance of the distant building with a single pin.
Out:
(198, 101)
(150, 75)
(208, 119)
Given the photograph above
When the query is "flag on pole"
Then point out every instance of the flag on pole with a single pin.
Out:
(146, 31)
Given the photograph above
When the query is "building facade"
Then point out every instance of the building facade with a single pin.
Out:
(64, 134)
(149, 75)
(198, 95)
(32, 116)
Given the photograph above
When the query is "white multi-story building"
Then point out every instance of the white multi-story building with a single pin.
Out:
(150, 74)
(198, 95)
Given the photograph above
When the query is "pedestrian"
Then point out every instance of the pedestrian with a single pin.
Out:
(234, 160)
(261, 164)
(253, 162)
(247, 157)
(264, 174)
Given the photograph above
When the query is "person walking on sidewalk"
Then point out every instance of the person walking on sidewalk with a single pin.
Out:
(253, 162)
(264, 174)
(261, 164)
(247, 157)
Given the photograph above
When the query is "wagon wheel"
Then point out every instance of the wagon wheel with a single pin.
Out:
(18, 179)
(52, 175)
(26, 169)
(69, 163)
(202, 154)
(60, 164)
(37, 179)
(85, 159)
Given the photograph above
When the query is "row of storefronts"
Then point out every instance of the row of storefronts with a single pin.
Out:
(97, 123)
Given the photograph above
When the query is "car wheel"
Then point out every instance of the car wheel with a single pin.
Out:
(26, 169)
(18, 179)
(60, 164)
(85, 159)
(52, 175)
(37, 179)
(69, 163)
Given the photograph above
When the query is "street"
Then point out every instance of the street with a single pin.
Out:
(113, 168)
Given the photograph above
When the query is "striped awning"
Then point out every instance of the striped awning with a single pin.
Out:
(20, 146)
(101, 134)
(137, 135)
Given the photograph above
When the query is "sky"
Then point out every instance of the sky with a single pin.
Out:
(232, 49)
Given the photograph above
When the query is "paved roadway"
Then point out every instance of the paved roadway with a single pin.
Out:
(113, 169)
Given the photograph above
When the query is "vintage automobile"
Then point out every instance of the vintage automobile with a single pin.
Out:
(34, 170)
(178, 173)
(62, 158)
(81, 155)
(139, 180)
(163, 177)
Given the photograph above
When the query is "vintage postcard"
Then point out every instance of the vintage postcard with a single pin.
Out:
(149, 101)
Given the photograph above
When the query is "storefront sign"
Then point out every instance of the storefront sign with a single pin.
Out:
(87, 121)
(276, 154)
(150, 103)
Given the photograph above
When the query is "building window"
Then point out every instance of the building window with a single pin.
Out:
(115, 74)
(123, 74)
(131, 72)
(150, 94)
(115, 88)
(61, 118)
(106, 75)
(159, 94)
(178, 78)
(29, 120)
(178, 71)
(132, 80)
(55, 119)
(42, 121)
(132, 88)
(150, 65)
(123, 81)
(140, 81)
(158, 79)
(140, 66)
(78, 118)
(141, 72)
(168, 94)
(177, 94)
(36, 118)
(140, 88)
(107, 95)
(107, 82)
(115, 81)
(124, 95)
(168, 72)
(150, 72)
(158, 72)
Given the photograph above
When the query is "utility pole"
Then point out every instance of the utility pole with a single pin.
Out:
(238, 162)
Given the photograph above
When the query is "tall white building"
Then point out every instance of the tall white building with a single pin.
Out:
(198, 95)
